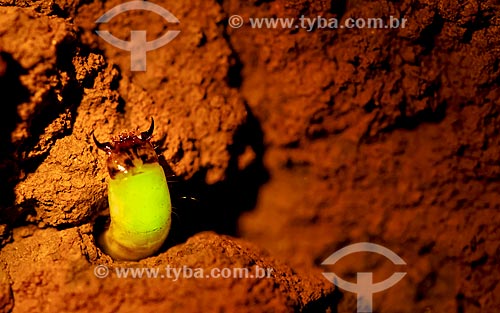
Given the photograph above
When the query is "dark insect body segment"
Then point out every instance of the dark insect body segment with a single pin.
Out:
(129, 151)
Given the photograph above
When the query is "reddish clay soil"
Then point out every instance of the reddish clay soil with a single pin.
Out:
(283, 146)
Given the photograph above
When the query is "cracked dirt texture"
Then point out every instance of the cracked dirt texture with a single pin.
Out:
(64, 267)
(387, 136)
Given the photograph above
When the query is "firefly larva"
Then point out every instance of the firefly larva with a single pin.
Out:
(138, 196)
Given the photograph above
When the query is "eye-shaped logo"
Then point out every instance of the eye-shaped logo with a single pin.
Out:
(138, 46)
(364, 287)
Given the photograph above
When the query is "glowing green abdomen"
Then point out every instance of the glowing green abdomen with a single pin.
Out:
(140, 210)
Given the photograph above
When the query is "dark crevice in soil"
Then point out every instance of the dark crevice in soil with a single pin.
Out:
(408, 122)
(428, 36)
(234, 73)
(479, 24)
(427, 115)
(338, 8)
(233, 77)
(13, 93)
(198, 207)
